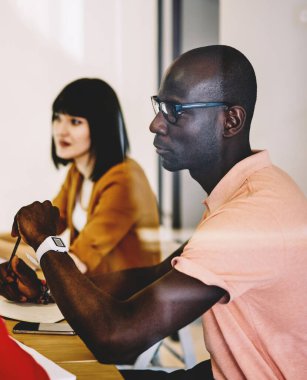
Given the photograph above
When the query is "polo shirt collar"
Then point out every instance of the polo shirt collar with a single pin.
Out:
(234, 179)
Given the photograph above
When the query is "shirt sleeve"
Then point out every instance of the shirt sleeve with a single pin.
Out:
(235, 250)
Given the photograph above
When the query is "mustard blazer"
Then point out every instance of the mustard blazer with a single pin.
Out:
(122, 219)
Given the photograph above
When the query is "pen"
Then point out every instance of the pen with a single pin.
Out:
(13, 253)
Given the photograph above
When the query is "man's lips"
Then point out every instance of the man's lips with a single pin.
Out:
(161, 152)
(161, 149)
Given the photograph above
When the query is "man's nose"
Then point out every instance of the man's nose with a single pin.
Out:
(158, 125)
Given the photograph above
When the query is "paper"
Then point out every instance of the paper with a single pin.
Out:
(30, 312)
(54, 371)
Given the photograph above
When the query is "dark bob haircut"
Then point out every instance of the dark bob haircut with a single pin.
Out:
(97, 102)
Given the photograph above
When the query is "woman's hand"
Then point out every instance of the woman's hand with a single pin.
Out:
(20, 283)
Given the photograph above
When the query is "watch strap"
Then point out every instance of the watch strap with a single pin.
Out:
(51, 243)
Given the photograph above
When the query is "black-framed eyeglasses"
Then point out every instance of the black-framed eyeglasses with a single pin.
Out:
(172, 111)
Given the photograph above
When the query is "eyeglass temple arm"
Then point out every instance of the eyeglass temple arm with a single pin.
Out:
(200, 105)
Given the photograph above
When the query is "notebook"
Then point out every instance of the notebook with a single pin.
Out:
(29, 312)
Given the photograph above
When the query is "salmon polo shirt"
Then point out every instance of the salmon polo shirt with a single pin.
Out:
(252, 242)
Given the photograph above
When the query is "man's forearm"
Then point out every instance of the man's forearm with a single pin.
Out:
(104, 323)
(115, 330)
(97, 312)
(84, 306)
(123, 284)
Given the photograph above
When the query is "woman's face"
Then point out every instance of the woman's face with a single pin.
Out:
(71, 137)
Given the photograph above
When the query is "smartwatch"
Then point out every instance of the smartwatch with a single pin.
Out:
(51, 243)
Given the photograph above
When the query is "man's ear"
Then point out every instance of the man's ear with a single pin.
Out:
(234, 121)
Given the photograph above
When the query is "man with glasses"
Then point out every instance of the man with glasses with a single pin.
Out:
(243, 270)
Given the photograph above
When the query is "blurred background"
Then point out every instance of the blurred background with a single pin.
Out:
(45, 44)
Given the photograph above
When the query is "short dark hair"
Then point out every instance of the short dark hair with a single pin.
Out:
(239, 80)
(236, 79)
(97, 102)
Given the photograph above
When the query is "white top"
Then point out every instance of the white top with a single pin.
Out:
(79, 215)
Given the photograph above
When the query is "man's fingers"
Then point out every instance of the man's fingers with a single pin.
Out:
(23, 271)
(15, 289)
(12, 293)
(27, 281)
(47, 203)
(35, 222)
(5, 276)
(56, 212)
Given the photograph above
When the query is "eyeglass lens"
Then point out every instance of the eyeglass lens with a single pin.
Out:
(167, 109)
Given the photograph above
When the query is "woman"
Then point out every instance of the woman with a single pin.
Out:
(105, 202)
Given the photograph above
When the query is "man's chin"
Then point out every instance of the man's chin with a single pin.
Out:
(171, 167)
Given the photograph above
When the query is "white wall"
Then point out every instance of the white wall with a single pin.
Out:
(200, 28)
(273, 35)
(45, 44)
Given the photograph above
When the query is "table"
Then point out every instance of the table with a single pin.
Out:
(69, 352)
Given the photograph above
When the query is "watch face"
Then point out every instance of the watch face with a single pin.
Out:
(57, 241)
